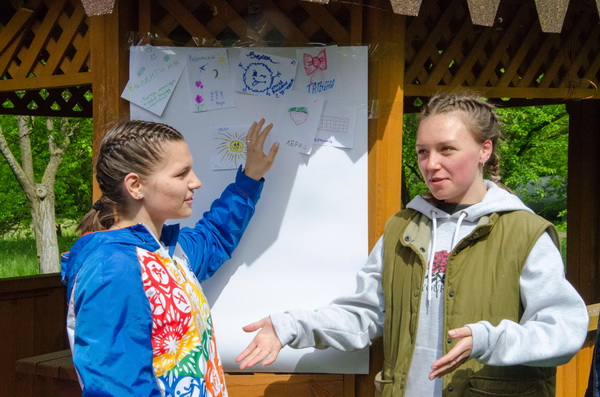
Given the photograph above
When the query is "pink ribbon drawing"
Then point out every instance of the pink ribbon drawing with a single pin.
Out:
(315, 65)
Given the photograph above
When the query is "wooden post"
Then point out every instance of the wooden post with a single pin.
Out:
(385, 34)
(583, 196)
(110, 68)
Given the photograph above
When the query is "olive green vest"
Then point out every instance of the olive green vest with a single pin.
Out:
(481, 283)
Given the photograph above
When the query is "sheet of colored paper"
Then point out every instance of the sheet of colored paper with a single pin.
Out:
(318, 70)
(299, 117)
(209, 80)
(228, 147)
(153, 79)
(337, 126)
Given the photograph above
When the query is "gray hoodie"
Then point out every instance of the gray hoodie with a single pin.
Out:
(552, 329)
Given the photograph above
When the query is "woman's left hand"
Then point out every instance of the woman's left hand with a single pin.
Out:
(257, 162)
(456, 356)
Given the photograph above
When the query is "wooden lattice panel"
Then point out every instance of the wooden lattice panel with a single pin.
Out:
(249, 23)
(511, 59)
(63, 102)
(44, 45)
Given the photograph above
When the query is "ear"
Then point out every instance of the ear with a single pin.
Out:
(133, 183)
(486, 151)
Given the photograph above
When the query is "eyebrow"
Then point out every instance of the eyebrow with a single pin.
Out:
(449, 142)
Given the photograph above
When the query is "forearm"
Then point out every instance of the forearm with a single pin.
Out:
(554, 323)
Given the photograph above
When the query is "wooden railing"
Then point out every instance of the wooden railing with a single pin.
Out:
(33, 313)
(572, 378)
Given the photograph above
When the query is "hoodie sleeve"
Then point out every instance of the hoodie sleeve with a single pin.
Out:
(111, 346)
(554, 323)
(347, 323)
(214, 237)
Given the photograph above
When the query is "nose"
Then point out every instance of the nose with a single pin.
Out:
(433, 161)
(195, 182)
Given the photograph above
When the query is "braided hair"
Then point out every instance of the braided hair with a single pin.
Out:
(130, 147)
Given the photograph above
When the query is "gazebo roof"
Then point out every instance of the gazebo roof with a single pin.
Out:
(551, 13)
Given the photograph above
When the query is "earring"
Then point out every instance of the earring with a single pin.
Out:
(138, 196)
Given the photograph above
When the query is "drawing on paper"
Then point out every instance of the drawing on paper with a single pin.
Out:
(208, 81)
(231, 147)
(268, 75)
(315, 66)
(334, 124)
(299, 115)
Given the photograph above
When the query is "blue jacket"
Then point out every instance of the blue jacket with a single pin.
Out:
(110, 322)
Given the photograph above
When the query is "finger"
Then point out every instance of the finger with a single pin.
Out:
(262, 136)
(271, 359)
(253, 327)
(246, 352)
(273, 152)
(256, 357)
(256, 127)
(460, 332)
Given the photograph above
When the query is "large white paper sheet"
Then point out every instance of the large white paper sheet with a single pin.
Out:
(309, 235)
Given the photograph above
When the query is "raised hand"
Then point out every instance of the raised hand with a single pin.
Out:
(257, 162)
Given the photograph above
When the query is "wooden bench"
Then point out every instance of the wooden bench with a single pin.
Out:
(51, 375)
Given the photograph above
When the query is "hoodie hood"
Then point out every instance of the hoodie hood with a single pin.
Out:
(495, 200)
(448, 229)
(130, 237)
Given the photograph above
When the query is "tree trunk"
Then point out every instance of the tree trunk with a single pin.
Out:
(44, 225)
(40, 195)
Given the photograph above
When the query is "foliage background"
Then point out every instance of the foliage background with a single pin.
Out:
(73, 187)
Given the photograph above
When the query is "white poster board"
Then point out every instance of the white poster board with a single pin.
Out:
(309, 235)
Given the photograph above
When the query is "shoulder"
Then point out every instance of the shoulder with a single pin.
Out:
(110, 261)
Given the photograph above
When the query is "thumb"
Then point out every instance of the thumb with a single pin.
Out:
(460, 332)
(253, 327)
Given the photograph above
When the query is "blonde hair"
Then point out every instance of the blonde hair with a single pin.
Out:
(480, 118)
(130, 147)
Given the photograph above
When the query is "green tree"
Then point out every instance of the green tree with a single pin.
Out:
(533, 156)
(34, 149)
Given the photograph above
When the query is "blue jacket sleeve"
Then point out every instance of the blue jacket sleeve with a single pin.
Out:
(112, 348)
(212, 241)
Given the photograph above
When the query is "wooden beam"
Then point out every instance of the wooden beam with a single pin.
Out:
(386, 100)
(35, 83)
(110, 68)
(14, 27)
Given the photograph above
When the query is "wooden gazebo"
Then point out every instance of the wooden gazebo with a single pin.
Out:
(535, 52)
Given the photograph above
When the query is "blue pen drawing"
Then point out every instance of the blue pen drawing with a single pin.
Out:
(266, 75)
(260, 57)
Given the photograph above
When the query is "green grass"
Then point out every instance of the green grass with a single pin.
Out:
(18, 253)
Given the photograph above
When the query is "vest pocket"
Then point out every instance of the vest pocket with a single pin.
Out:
(506, 387)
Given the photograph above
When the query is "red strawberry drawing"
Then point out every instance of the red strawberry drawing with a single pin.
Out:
(298, 114)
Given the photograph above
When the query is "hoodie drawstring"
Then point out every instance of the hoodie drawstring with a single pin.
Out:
(431, 255)
(433, 213)
(463, 215)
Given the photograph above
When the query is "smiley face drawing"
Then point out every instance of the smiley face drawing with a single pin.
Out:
(258, 78)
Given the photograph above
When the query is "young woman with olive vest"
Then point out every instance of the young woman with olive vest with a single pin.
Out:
(466, 285)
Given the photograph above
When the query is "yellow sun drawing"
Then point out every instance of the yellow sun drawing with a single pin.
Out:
(231, 147)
